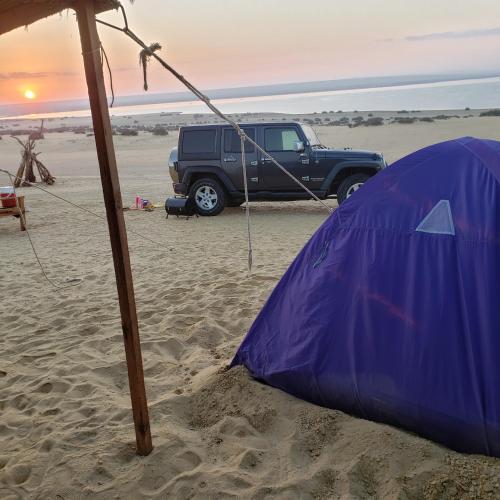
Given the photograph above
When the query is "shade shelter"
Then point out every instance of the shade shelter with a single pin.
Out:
(17, 13)
(390, 312)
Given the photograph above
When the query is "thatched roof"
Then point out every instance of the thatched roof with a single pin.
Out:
(16, 13)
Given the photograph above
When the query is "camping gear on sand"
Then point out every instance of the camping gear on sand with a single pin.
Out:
(16, 209)
(8, 196)
(391, 310)
(180, 206)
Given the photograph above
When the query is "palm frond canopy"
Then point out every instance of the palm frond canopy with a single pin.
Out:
(17, 13)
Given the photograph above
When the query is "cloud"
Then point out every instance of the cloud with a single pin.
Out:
(448, 35)
(21, 75)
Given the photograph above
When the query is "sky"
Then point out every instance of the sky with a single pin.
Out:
(232, 43)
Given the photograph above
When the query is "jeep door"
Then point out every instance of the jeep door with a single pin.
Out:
(279, 141)
(231, 158)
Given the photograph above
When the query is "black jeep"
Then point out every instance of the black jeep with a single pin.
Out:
(206, 166)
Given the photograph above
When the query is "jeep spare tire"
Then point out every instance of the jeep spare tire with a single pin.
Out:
(208, 196)
(350, 185)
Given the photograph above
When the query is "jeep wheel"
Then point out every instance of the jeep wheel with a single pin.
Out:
(209, 197)
(349, 185)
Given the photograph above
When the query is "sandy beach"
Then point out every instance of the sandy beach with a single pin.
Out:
(66, 428)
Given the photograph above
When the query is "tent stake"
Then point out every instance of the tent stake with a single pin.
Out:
(116, 223)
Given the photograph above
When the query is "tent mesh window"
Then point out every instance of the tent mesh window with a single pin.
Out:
(439, 220)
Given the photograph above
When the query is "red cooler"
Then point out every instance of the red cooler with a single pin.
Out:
(8, 197)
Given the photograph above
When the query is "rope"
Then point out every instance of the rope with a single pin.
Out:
(144, 57)
(247, 206)
(83, 209)
(104, 57)
(23, 219)
(202, 97)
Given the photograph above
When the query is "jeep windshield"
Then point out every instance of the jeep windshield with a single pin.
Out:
(311, 136)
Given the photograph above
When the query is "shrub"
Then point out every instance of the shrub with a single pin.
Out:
(158, 130)
(344, 121)
(491, 112)
(375, 121)
(127, 131)
(406, 120)
(426, 119)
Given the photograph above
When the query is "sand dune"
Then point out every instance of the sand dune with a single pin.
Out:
(65, 420)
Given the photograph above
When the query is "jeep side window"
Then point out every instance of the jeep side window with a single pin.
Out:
(280, 139)
(232, 142)
(199, 141)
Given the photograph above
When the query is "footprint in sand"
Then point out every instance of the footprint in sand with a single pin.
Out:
(249, 460)
(362, 479)
(47, 387)
(19, 473)
(47, 445)
(20, 402)
(9, 494)
(82, 390)
(171, 347)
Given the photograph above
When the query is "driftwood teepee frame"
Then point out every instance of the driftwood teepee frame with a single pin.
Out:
(17, 13)
(29, 160)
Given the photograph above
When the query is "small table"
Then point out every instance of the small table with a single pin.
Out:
(18, 211)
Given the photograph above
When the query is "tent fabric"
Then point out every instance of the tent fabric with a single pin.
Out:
(391, 323)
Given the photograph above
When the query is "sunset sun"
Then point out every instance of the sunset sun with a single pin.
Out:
(29, 94)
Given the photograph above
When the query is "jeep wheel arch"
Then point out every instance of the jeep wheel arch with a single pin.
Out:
(350, 185)
(344, 170)
(192, 174)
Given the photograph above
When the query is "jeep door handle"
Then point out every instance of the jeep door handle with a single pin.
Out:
(266, 160)
(229, 159)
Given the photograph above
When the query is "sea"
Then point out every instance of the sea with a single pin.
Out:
(477, 93)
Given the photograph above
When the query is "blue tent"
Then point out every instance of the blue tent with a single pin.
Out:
(392, 310)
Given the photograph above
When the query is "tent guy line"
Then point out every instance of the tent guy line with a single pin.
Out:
(42, 269)
(151, 51)
(79, 207)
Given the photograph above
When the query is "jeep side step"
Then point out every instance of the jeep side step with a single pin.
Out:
(280, 196)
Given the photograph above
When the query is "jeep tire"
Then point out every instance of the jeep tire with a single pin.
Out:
(208, 196)
(349, 185)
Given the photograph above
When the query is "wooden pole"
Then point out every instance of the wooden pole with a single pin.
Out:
(114, 211)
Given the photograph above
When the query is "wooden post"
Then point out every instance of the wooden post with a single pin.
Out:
(116, 223)
(22, 212)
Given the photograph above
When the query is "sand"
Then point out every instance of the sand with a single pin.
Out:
(65, 420)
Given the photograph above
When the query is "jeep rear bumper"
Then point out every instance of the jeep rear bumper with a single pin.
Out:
(179, 188)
